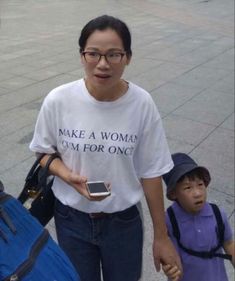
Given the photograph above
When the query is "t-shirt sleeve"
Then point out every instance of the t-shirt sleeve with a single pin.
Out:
(44, 140)
(153, 157)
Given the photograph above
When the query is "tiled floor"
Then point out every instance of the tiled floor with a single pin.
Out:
(183, 53)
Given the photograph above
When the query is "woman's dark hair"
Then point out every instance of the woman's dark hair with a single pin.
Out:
(102, 23)
(197, 173)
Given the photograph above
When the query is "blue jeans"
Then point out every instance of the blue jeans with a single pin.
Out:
(110, 245)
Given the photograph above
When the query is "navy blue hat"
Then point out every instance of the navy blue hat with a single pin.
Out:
(183, 164)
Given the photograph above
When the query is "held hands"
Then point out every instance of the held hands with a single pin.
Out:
(165, 254)
(172, 272)
(79, 183)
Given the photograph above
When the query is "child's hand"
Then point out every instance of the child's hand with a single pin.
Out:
(172, 272)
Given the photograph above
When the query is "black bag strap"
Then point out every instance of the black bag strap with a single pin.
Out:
(33, 168)
(201, 254)
(31, 180)
(44, 173)
(36, 178)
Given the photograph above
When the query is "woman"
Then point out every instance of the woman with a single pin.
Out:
(105, 129)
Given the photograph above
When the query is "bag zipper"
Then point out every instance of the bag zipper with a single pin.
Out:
(27, 265)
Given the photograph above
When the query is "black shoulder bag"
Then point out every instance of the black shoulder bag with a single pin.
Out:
(37, 195)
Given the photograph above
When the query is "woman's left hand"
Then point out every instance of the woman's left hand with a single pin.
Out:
(164, 253)
(80, 184)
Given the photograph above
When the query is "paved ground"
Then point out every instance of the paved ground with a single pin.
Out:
(183, 55)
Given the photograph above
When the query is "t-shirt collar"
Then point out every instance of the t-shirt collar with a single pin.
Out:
(182, 215)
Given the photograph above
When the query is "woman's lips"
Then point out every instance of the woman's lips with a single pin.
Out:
(102, 76)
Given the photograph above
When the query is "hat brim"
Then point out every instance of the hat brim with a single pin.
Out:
(181, 171)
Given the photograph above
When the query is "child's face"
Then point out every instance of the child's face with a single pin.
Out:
(190, 194)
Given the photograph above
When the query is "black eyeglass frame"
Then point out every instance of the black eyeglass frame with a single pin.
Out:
(104, 55)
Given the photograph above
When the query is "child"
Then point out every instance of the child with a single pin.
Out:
(202, 229)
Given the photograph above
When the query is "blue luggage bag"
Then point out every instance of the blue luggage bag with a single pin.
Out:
(27, 252)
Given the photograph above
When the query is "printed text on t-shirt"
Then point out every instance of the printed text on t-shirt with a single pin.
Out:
(103, 142)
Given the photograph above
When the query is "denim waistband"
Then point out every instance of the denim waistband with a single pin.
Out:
(100, 215)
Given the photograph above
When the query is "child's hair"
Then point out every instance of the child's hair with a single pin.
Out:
(197, 173)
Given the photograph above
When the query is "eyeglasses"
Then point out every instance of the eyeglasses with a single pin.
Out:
(95, 57)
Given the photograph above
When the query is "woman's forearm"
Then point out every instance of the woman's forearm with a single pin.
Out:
(154, 196)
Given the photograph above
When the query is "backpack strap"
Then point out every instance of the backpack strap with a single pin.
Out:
(28, 264)
(201, 254)
(220, 223)
(220, 231)
(7, 220)
(174, 223)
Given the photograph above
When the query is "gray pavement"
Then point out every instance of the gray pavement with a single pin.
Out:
(183, 55)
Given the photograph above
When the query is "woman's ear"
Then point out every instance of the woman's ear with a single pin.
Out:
(128, 59)
(82, 59)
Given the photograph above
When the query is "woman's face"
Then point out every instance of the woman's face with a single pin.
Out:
(103, 74)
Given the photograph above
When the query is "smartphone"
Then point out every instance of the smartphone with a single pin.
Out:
(97, 188)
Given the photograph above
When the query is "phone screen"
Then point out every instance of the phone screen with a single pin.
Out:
(97, 187)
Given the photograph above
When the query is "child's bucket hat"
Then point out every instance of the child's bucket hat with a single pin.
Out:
(183, 164)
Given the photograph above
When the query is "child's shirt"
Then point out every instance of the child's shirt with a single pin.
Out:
(198, 232)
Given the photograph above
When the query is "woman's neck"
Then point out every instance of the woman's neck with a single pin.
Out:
(108, 94)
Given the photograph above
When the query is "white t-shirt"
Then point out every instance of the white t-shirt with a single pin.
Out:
(118, 142)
